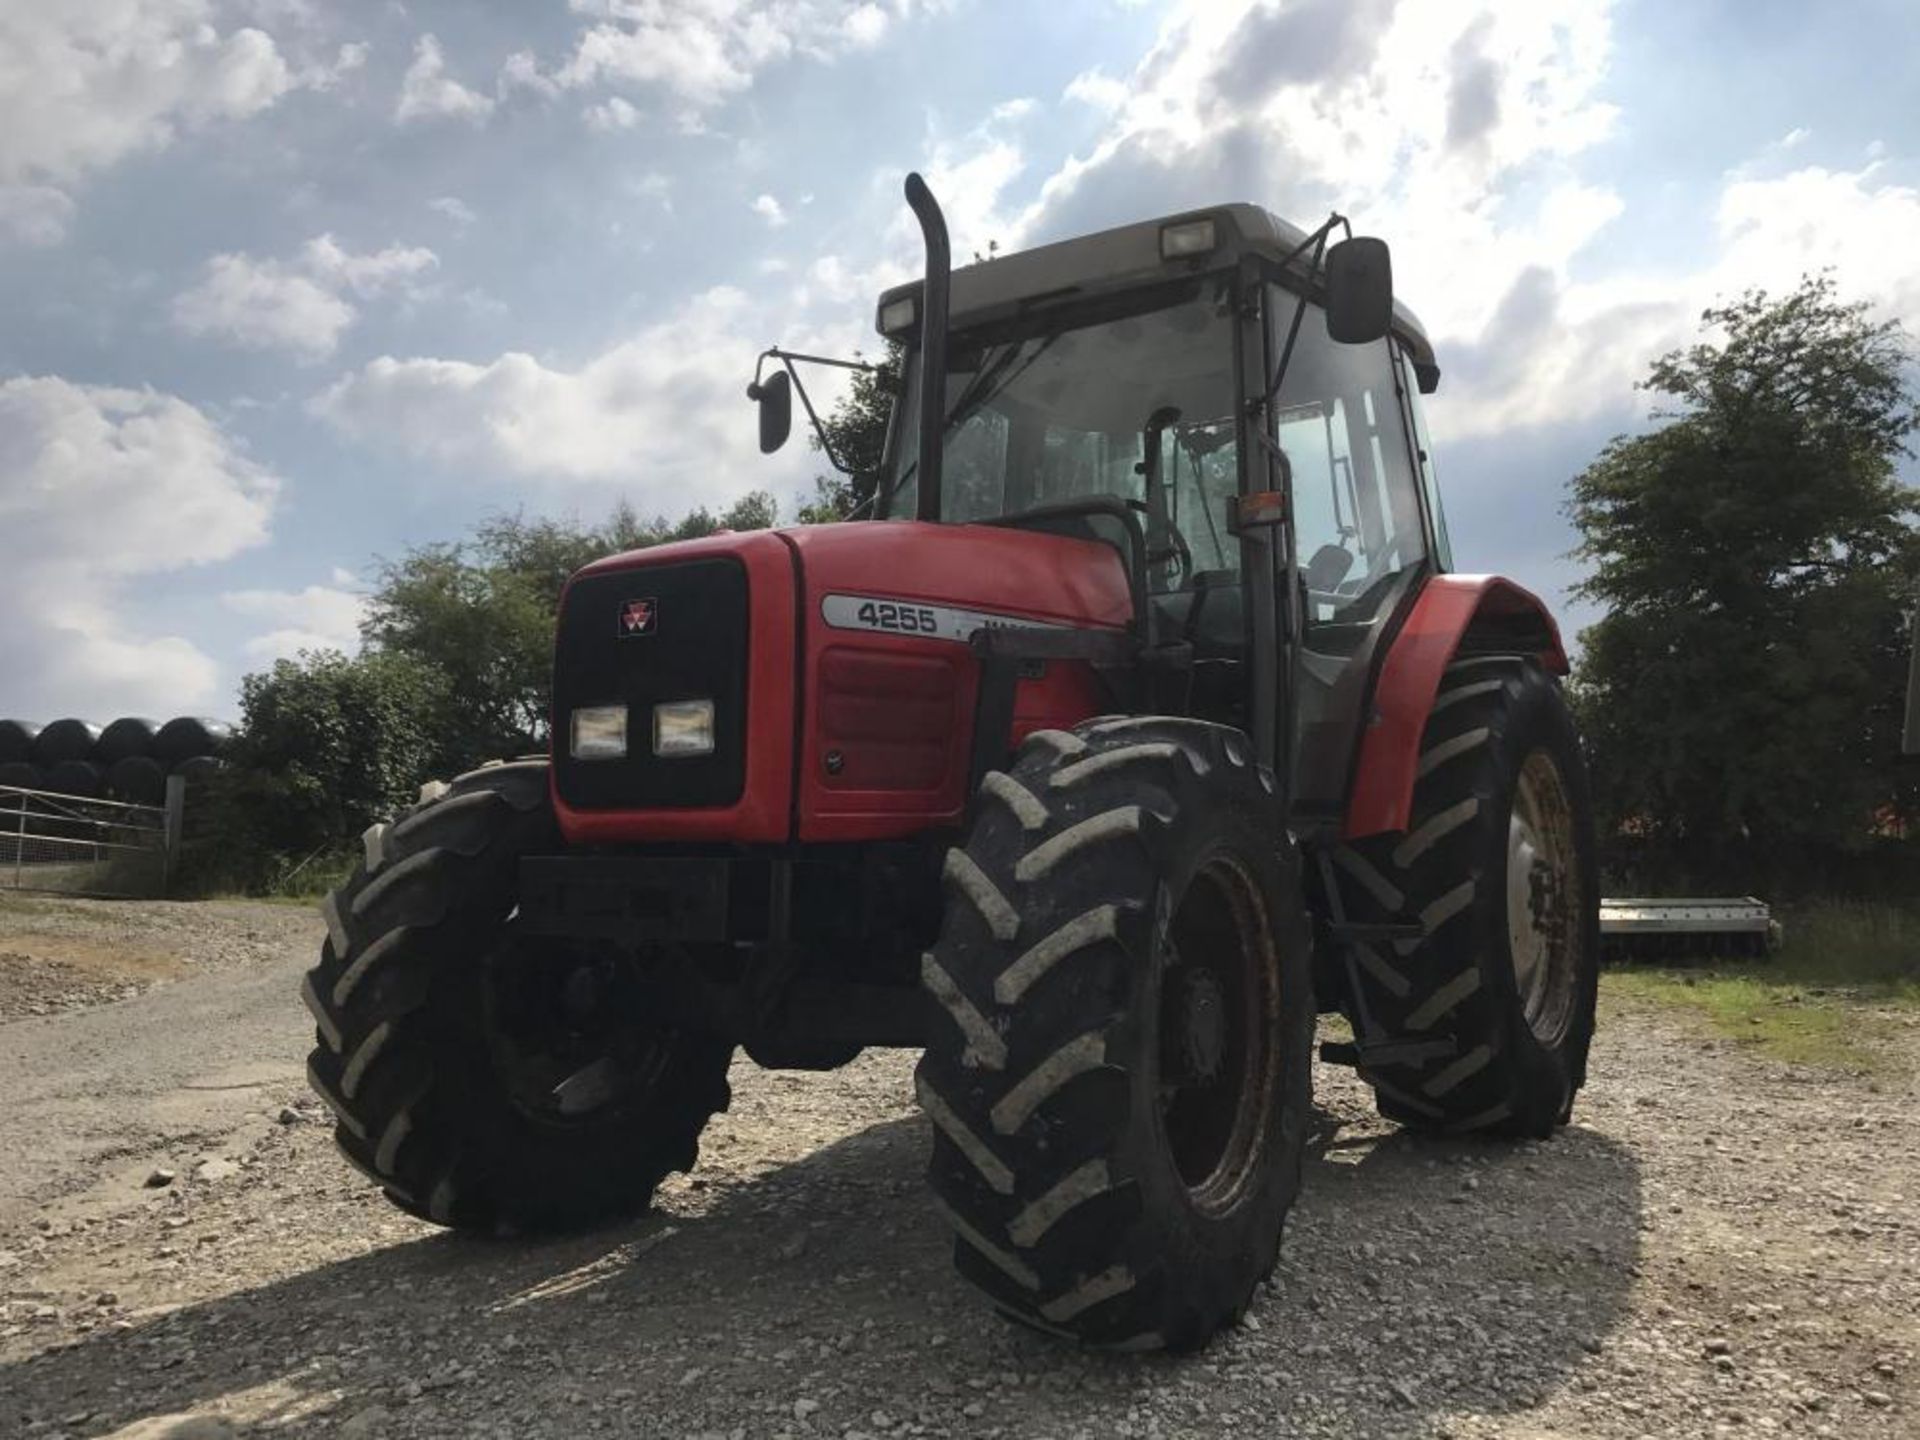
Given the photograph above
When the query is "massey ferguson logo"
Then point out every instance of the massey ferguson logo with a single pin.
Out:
(638, 617)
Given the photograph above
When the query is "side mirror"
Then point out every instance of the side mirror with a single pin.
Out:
(774, 395)
(1359, 273)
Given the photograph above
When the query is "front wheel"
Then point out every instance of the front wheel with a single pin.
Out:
(487, 1079)
(1481, 1018)
(1119, 1091)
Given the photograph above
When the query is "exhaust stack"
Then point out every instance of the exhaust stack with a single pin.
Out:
(933, 342)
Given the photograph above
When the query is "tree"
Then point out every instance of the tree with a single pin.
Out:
(1756, 554)
(856, 428)
(327, 746)
(481, 612)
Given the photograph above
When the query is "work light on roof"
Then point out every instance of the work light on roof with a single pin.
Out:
(1187, 239)
(896, 316)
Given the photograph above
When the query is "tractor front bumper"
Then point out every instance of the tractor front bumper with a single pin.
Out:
(793, 955)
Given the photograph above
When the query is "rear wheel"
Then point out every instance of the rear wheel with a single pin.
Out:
(1481, 1019)
(1120, 1094)
(484, 1078)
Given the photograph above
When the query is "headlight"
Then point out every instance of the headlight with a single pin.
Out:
(598, 732)
(683, 727)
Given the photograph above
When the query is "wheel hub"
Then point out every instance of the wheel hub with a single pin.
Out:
(566, 1032)
(1217, 1018)
(1204, 1025)
(1543, 899)
(581, 994)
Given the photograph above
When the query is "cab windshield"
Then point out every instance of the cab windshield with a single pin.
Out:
(1130, 397)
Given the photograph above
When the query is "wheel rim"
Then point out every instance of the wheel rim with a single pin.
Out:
(1217, 1004)
(1543, 897)
(561, 1032)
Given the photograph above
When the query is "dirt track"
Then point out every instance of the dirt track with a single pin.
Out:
(1719, 1245)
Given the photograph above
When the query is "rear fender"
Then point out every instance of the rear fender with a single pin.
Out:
(1501, 617)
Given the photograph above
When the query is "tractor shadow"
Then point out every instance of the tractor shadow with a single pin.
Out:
(1420, 1279)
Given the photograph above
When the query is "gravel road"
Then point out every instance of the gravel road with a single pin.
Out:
(1719, 1245)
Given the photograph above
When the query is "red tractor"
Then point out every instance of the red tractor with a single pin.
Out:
(1141, 722)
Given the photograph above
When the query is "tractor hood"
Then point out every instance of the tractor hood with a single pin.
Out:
(836, 663)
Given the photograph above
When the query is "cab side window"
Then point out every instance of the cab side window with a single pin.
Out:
(1355, 490)
(1423, 452)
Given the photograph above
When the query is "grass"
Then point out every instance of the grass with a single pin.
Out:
(1817, 1001)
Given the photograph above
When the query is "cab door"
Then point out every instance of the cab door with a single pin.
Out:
(1360, 542)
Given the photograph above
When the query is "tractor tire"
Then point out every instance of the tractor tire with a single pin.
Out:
(1485, 1019)
(484, 1079)
(1119, 1074)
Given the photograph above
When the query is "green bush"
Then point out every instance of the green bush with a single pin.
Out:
(328, 745)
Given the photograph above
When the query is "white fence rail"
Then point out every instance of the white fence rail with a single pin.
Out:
(81, 846)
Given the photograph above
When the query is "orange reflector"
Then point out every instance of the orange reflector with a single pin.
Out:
(1262, 507)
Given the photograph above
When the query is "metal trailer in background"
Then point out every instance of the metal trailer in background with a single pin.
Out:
(1644, 928)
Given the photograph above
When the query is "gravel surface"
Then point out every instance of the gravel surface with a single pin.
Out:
(199, 1035)
(1719, 1245)
(64, 954)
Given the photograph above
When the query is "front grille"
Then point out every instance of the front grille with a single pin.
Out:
(693, 647)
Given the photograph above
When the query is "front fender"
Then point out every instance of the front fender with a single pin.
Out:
(1513, 619)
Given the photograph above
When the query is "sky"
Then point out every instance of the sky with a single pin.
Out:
(289, 285)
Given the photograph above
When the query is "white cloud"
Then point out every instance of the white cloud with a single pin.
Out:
(34, 214)
(100, 489)
(365, 274)
(82, 86)
(701, 53)
(350, 59)
(1866, 227)
(454, 208)
(263, 305)
(769, 210)
(320, 617)
(1097, 88)
(661, 412)
(610, 115)
(521, 71)
(427, 92)
(1556, 350)
(865, 26)
(299, 306)
(655, 186)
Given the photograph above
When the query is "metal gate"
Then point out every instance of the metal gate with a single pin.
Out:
(80, 846)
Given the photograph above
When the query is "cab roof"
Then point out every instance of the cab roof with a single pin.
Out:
(1131, 253)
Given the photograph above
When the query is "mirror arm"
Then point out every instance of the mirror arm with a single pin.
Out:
(1317, 241)
(786, 359)
(774, 352)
